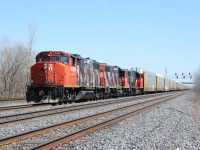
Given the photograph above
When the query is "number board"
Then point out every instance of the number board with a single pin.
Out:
(56, 53)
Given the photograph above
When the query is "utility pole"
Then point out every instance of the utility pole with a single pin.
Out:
(165, 72)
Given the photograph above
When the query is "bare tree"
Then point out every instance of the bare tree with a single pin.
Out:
(15, 62)
(30, 44)
(31, 36)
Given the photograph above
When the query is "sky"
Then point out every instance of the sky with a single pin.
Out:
(152, 34)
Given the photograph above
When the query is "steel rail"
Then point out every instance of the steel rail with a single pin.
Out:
(7, 108)
(30, 115)
(77, 134)
(12, 99)
(68, 123)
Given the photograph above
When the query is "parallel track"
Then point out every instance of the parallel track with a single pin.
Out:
(65, 139)
(12, 99)
(53, 144)
(19, 107)
(30, 115)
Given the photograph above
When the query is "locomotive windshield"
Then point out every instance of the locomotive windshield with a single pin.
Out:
(54, 58)
(45, 58)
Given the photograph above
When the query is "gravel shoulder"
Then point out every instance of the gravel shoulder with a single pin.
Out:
(168, 126)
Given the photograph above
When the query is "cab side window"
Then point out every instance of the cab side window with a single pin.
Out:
(38, 59)
(73, 61)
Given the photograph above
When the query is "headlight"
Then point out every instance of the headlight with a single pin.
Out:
(45, 66)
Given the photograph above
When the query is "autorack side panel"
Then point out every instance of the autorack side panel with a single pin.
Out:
(167, 84)
(159, 83)
(149, 82)
(175, 85)
(178, 85)
(171, 86)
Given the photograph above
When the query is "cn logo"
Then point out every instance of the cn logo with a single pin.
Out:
(50, 68)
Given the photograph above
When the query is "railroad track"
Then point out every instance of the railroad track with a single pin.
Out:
(12, 99)
(97, 121)
(4, 120)
(19, 107)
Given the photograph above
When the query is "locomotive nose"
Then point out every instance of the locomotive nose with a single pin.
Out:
(47, 73)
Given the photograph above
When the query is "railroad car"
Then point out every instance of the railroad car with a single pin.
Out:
(175, 86)
(59, 77)
(149, 82)
(167, 84)
(160, 83)
(171, 86)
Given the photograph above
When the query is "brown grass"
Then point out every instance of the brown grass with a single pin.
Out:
(196, 102)
(196, 98)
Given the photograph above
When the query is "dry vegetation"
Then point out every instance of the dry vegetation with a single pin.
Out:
(15, 62)
(196, 99)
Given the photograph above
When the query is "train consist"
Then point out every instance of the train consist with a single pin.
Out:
(59, 77)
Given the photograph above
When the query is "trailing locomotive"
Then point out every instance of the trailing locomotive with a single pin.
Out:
(58, 77)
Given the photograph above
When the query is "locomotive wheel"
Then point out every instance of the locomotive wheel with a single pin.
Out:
(53, 104)
(71, 101)
(60, 103)
(64, 99)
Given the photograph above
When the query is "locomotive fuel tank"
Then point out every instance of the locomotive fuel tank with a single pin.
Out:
(85, 95)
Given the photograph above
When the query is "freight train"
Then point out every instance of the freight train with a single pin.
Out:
(60, 77)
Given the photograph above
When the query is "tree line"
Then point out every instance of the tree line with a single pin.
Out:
(15, 62)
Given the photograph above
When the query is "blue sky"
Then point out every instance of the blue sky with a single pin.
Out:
(152, 34)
